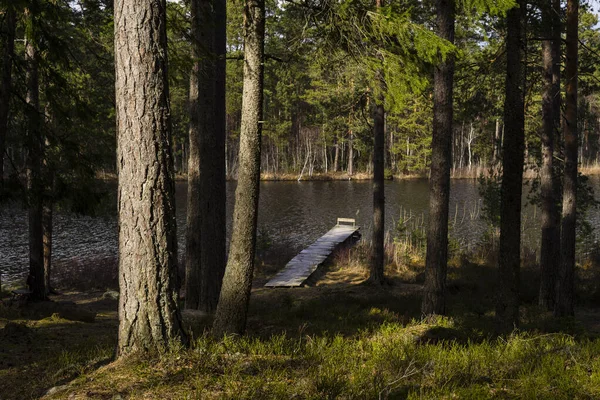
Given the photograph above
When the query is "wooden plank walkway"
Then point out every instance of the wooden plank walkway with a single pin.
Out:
(301, 267)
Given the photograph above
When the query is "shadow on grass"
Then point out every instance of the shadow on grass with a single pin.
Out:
(335, 339)
(40, 349)
(328, 311)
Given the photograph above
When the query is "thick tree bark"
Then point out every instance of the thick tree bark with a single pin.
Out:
(509, 263)
(436, 261)
(205, 234)
(235, 293)
(377, 261)
(149, 317)
(550, 247)
(8, 46)
(35, 280)
(565, 293)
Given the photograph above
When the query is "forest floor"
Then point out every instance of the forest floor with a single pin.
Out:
(337, 338)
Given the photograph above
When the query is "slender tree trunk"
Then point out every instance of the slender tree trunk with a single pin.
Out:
(205, 233)
(48, 199)
(391, 153)
(325, 156)
(436, 260)
(35, 280)
(336, 157)
(149, 315)
(199, 119)
(217, 224)
(378, 257)
(470, 139)
(47, 214)
(564, 300)
(8, 46)
(237, 283)
(462, 145)
(351, 154)
(497, 141)
(507, 302)
(377, 260)
(550, 247)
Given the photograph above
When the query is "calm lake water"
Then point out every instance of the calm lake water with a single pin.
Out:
(291, 215)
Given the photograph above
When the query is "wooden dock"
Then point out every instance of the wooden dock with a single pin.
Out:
(301, 267)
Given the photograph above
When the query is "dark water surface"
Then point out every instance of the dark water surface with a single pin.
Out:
(291, 215)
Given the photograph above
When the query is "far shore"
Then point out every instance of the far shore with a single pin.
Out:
(457, 173)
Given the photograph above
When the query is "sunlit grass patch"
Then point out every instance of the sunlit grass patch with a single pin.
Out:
(393, 361)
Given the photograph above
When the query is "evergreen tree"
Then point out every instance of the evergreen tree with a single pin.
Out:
(550, 245)
(378, 258)
(149, 316)
(565, 295)
(205, 232)
(509, 257)
(439, 182)
(230, 317)
(8, 45)
(35, 155)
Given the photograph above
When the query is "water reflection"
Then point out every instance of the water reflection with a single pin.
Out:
(293, 214)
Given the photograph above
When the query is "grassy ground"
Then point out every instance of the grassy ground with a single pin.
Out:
(337, 338)
(40, 349)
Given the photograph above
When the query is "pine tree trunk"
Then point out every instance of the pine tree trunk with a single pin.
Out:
(391, 154)
(550, 246)
(8, 45)
(35, 280)
(376, 272)
(462, 145)
(230, 317)
(565, 293)
(336, 157)
(470, 139)
(351, 154)
(507, 302)
(325, 160)
(47, 214)
(149, 316)
(497, 146)
(205, 233)
(48, 201)
(436, 260)
(198, 118)
(217, 224)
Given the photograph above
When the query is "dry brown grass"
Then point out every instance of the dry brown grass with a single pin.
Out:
(478, 170)
(403, 264)
(590, 168)
(330, 176)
